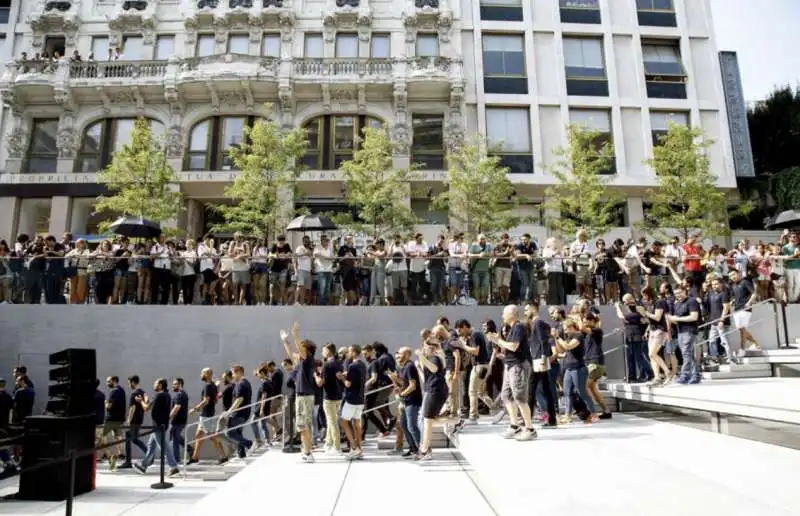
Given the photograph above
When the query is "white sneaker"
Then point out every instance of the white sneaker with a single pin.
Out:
(308, 459)
(526, 435)
(510, 433)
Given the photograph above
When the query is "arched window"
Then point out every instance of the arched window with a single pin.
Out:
(211, 139)
(101, 139)
(333, 138)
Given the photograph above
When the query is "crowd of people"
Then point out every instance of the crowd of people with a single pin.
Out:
(45, 62)
(528, 367)
(453, 270)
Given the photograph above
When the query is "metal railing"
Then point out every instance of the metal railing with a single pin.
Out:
(224, 432)
(380, 389)
(343, 67)
(74, 455)
(117, 69)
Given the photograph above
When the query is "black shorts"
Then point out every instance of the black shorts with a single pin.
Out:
(432, 404)
(209, 276)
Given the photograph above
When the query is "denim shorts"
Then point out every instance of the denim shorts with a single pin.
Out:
(454, 276)
(670, 346)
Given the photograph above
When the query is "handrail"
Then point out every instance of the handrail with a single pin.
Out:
(250, 422)
(379, 389)
(730, 314)
(734, 330)
(609, 334)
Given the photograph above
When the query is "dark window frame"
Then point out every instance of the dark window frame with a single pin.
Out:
(215, 155)
(105, 155)
(435, 157)
(500, 12)
(32, 154)
(580, 14)
(324, 155)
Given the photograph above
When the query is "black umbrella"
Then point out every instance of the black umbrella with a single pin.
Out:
(311, 223)
(135, 227)
(789, 219)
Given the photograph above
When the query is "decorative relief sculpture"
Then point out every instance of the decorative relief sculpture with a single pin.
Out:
(65, 143)
(17, 142)
(173, 142)
(401, 139)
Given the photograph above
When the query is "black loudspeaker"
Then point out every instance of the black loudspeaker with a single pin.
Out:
(72, 390)
(51, 437)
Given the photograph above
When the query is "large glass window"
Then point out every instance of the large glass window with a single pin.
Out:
(580, 11)
(660, 120)
(332, 139)
(103, 138)
(211, 140)
(583, 58)
(662, 59)
(314, 46)
(165, 47)
(656, 13)
(427, 45)
(100, 48)
(598, 120)
(654, 5)
(205, 45)
(271, 45)
(238, 44)
(503, 55)
(501, 10)
(42, 151)
(508, 131)
(132, 48)
(347, 45)
(380, 46)
(427, 143)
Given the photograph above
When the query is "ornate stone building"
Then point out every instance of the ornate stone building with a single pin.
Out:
(432, 70)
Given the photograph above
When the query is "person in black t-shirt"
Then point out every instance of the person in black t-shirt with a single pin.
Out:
(305, 385)
(179, 416)
(686, 316)
(655, 312)
(99, 413)
(517, 374)
(159, 407)
(240, 410)
(541, 350)
(24, 398)
(744, 295)
(371, 398)
(277, 382)
(634, 326)
(347, 269)
(718, 310)
(263, 409)
(205, 421)
(575, 371)
(354, 379)
(409, 389)
(135, 419)
(280, 257)
(332, 396)
(478, 349)
(115, 417)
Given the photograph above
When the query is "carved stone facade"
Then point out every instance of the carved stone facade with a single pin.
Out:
(737, 115)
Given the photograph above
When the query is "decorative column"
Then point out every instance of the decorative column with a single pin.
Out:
(17, 142)
(635, 207)
(67, 142)
(9, 207)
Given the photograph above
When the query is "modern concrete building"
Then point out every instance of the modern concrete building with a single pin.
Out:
(433, 70)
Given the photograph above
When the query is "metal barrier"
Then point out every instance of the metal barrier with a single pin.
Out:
(250, 422)
(74, 455)
(380, 389)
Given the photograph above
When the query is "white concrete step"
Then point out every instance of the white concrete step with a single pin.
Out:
(740, 368)
(737, 374)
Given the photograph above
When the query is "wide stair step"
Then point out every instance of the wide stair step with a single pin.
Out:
(734, 371)
(438, 440)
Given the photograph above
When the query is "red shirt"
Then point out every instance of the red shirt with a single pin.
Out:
(692, 264)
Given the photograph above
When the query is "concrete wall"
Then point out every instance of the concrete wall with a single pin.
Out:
(154, 341)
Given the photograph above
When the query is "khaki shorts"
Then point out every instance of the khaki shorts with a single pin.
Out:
(596, 371)
(304, 412)
(515, 382)
(502, 277)
(114, 428)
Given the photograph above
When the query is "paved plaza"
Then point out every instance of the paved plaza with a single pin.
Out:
(628, 465)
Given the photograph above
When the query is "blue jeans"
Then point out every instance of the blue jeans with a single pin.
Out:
(242, 442)
(324, 280)
(717, 338)
(409, 420)
(132, 437)
(689, 371)
(155, 443)
(176, 438)
(527, 284)
(437, 285)
(377, 286)
(638, 365)
(576, 379)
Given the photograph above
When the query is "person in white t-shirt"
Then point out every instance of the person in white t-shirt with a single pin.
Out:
(323, 263)
(188, 274)
(417, 250)
(674, 254)
(455, 265)
(260, 277)
(208, 258)
(162, 276)
(303, 257)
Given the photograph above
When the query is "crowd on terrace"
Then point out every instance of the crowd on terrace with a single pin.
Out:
(334, 271)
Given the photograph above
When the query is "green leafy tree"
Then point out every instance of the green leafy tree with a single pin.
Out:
(479, 196)
(581, 196)
(687, 199)
(376, 190)
(269, 164)
(140, 180)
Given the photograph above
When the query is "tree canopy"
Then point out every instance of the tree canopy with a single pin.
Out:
(269, 164)
(140, 179)
(581, 197)
(478, 195)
